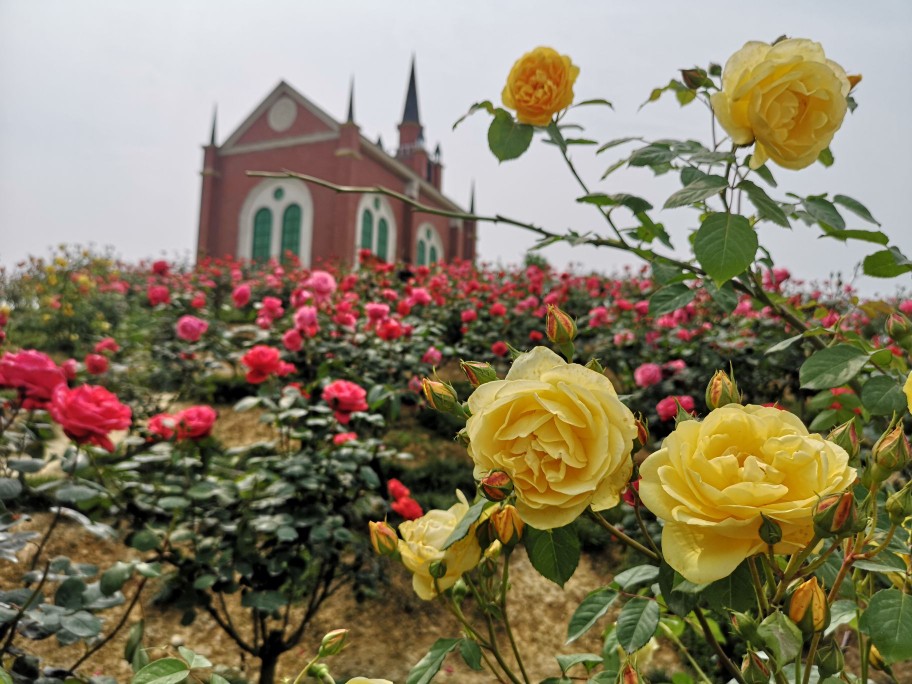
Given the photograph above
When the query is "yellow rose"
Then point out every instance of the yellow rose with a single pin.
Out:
(365, 680)
(711, 481)
(559, 431)
(907, 388)
(421, 545)
(788, 98)
(540, 85)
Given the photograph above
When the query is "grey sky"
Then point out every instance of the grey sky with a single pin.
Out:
(104, 107)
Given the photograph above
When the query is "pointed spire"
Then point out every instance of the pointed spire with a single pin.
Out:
(351, 102)
(212, 134)
(410, 113)
(472, 199)
(380, 141)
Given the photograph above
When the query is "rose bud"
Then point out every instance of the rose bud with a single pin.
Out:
(694, 78)
(629, 675)
(478, 372)
(496, 486)
(891, 451)
(770, 531)
(837, 516)
(437, 569)
(754, 669)
(899, 505)
(642, 436)
(745, 626)
(333, 642)
(383, 538)
(876, 660)
(829, 659)
(507, 524)
(898, 327)
(559, 326)
(808, 607)
(721, 391)
(441, 396)
(846, 436)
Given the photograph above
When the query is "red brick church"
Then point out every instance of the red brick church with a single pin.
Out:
(257, 218)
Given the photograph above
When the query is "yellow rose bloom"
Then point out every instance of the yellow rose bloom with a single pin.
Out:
(421, 545)
(365, 680)
(540, 85)
(711, 481)
(907, 388)
(788, 98)
(559, 431)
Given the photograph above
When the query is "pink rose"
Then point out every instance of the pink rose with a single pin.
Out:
(107, 344)
(162, 425)
(198, 301)
(195, 422)
(96, 364)
(88, 413)
(241, 296)
(647, 374)
(292, 340)
(34, 374)
(344, 437)
(322, 284)
(191, 328)
(432, 356)
(376, 311)
(261, 361)
(345, 398)
(668, 407)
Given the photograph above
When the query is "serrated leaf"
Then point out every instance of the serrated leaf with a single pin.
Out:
(651, 155)
(841, 613)
(614, 143)
(767, 208)
(824, 211)
(637, 623)
(632, 202)
(700, 189)
(565, 662)
(856, 208)
(781, 636)
(725, 246)
(471, 654)
(164, 671)
(590, 610)
(728, 593)
(831, 367)
(888, 621)
(766, 175)
(670, 298)
(882, 395)
(507, 138)
(428, 667)
(485, 105)
(554, 553)
(462, 528)
(874, 236)
(193, 659)
(887, 263)
(636, 577)
(82, 623)
(596, 101)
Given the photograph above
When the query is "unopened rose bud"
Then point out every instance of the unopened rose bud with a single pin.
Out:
(441, 396)
(808, 607)
(437, 569)
(875, 660)
(508, 526)
(836, 515)
(829, 659)
(898, 327)
(629, 675)
(487, 566)
(721, 391)
(559, 326)
(891, 452)
(854, 80)
(333, 642)
(492, 553)
(745, 626)
(460, 590)
(770, 531)
(694, 78)
(383, 538)
(642, 428)
(496, 486)
(846, 436)
(478, 372)
(754, 669)
(899, 505)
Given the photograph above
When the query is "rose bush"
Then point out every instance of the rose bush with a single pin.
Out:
(712, 480)
(559, 431)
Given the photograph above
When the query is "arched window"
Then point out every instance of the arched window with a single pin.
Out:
(376, 228)
(422, 253)
(367, 230)
(429, 249)
(291, 230)
(262, 235)
(432, 256)
(383, 239)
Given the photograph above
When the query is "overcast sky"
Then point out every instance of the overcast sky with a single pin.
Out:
(104, 106)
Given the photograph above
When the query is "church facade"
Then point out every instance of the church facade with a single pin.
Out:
(256, 218)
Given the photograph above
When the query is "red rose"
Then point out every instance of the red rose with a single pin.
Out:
(88, 413)
(162, 425)
(34, 374)
(262, 361)
(160, 267)
(241, 296)
(499, 348)
(96, 364)
(345, 398)
(397, 490)
(107, 344)
(191, 328)
(158, 294)
(195, 422)
(408, 508)
(668, 407)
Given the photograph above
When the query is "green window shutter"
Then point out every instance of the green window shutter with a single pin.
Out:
(383, 239)
(291, 230)
(422, 249)
(432, 258)
(262, 235)
(367, 230)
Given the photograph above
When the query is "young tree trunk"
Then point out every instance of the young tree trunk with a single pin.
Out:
(268, 663)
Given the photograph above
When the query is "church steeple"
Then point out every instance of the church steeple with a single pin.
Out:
(351, 102)
(410, 113)
(212, 133)
(472, 199)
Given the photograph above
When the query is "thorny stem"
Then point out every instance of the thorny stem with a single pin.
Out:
(720, 654)
(633, 543)
(762, 603)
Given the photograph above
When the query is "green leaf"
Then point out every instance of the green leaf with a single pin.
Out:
(470, 518)
(728, 593)
(882, 395)
(781, 636)
(874, 236)
(632, 202)
(651, 155)
(767, 208)
(841, 613)
(115, 577)
(264, 601)
(606, 103)
(824, 211)
(590, 610)
(471, 654)
(10, 488)
(697, 191)
(429, 666)
(724, 296)
(76, 493)
(679, 602)
(507, 138)
(637, 623)
(485, 105)
(82, 623)
(217, 679)
(856, 208)
(670, 298)
(614, 143)
(832, 367)
(134, 639)
(766, 175)
(636, 577)
(164, 671)
(887, 263)
(725, 245)
(826, 157)
(4, 677)
(888, 621)
(565, 662)
(246, 404)
(144, 540)
(193, 659)
(554, 553)
(69, 593)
